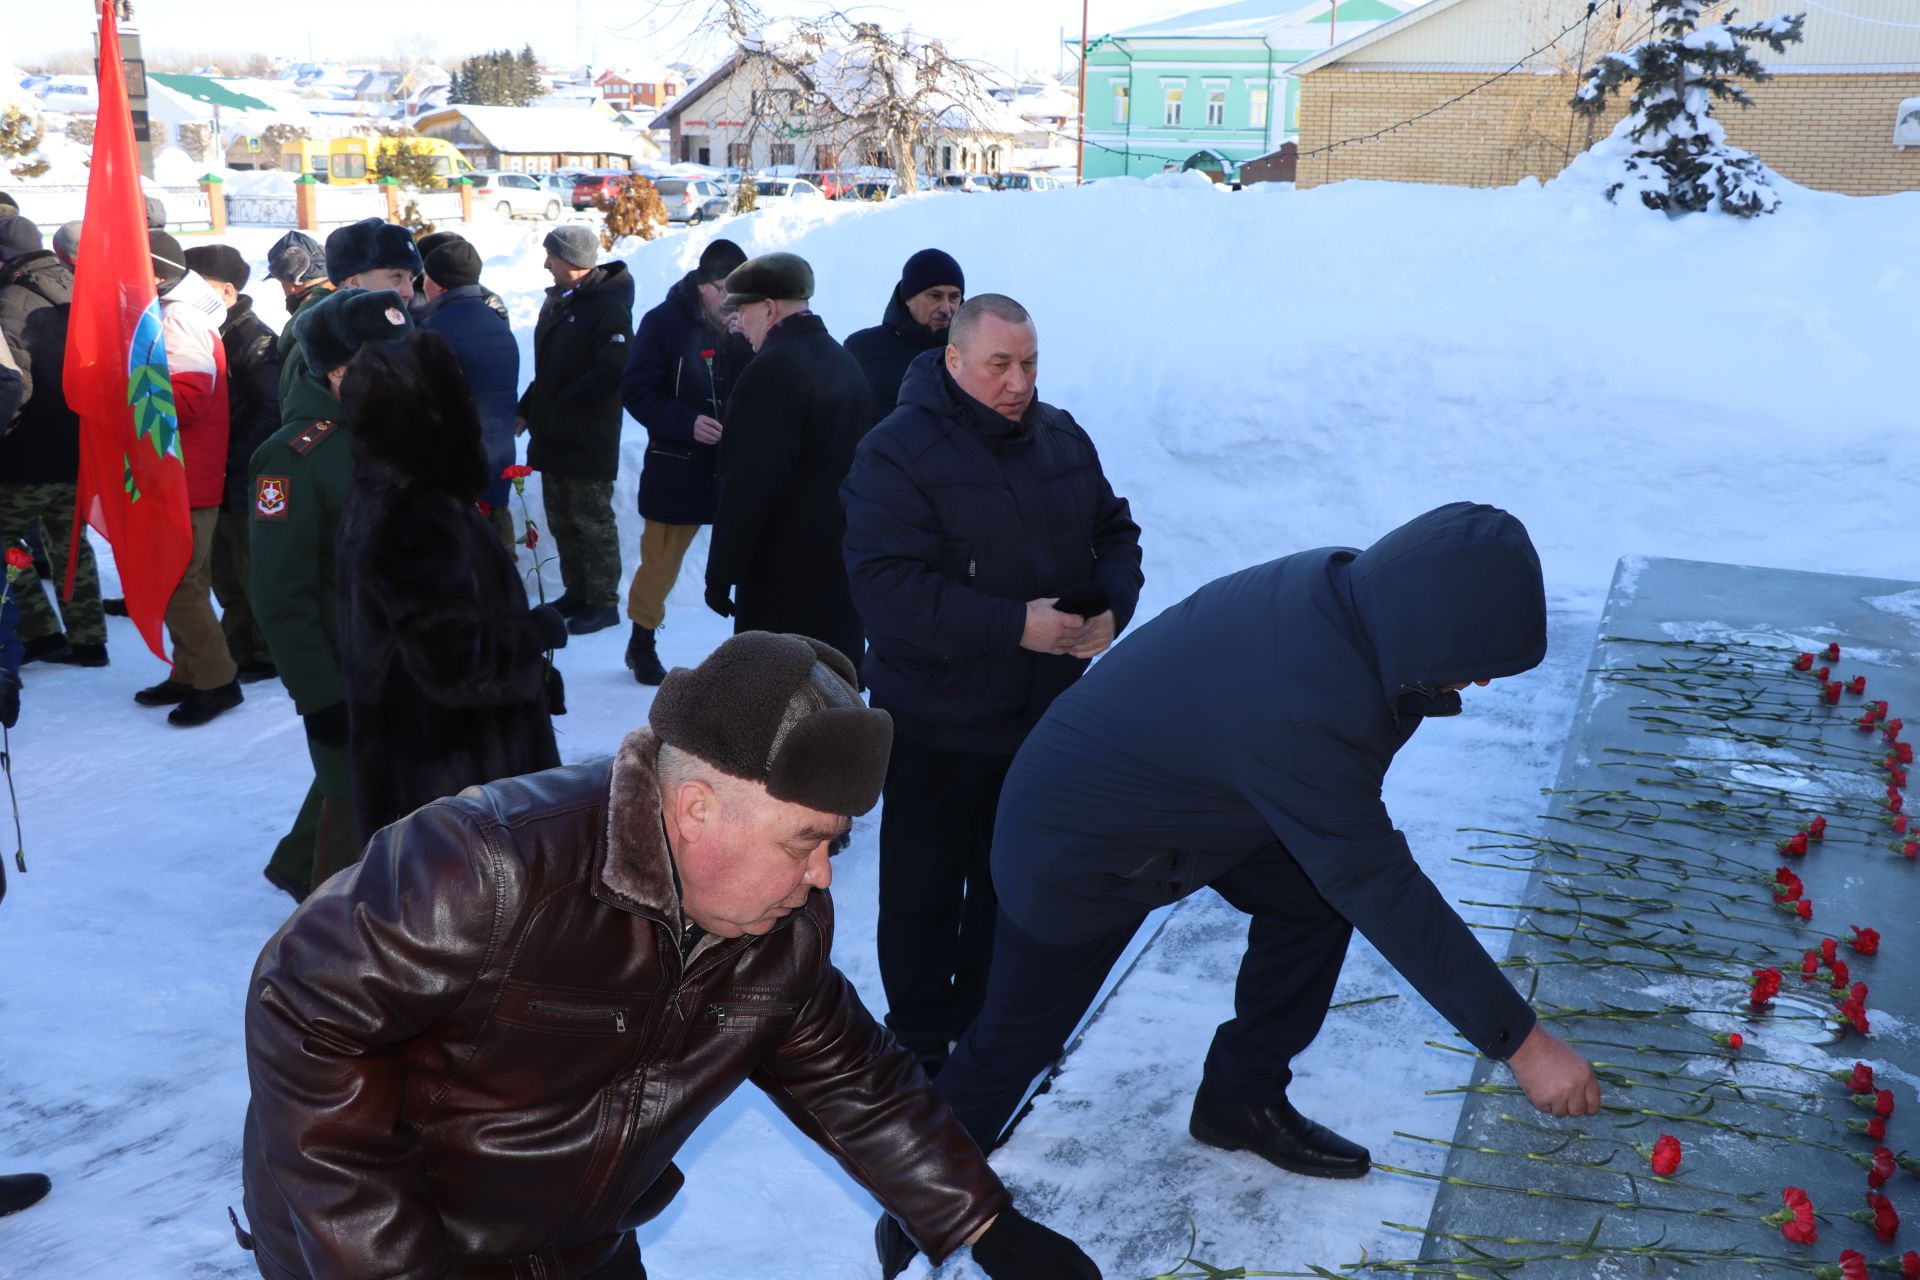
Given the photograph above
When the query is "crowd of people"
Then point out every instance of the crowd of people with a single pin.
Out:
(512, 989)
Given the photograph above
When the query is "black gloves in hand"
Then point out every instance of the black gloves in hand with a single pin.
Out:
(328, 725)
(9, 699)
(549, 625)
(1087, 600)
(1018, 1248)
(556, 693)
(717, 598)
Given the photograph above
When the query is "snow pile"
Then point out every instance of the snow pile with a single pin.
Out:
(1261, 374)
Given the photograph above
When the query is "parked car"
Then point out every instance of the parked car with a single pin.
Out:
(1027, 182)
(832, 183)
(692, 200)
(963, 182)
(514, 195)
(784, 189)
(598, 184)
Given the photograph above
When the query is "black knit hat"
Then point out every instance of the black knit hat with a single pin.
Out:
(781, 277)
(370, 245)
(929, 269)
(332, 329)
(718, 260)
(780, 710)
(296, 258)
(220, 262)
(169, 259)
(453, 264)
(433, 240)
(19, 234)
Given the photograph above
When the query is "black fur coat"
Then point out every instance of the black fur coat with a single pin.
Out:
(445, 669)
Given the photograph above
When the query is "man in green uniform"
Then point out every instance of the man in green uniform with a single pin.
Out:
(299, 264)
(300, 478)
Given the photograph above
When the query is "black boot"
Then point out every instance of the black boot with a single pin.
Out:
(590, 618)
(83, 655)
(642, 658)
(19, 1190)
(48, 648)
(203, 705)
(115, 606)
(168, 693)
(566, 606)
(254, 672)
(895, 1251)
(1277, 1134)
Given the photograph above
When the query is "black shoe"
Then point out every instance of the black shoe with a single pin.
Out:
(255, 672)
(1277, 1134)
(286, 884)
(642, 658)
(566, 606)
(20, 1190)
(83, 655)
(895, 1251)
(591, 618)
(168, 693)
(48, 648)
(202, 705)
(115, 606)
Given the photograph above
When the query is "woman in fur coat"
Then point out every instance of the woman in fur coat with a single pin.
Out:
(445, 664)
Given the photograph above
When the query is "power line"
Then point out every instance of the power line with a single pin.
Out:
(1872, 22)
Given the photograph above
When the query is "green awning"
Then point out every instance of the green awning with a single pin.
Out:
(1360, 11)
(208, 90)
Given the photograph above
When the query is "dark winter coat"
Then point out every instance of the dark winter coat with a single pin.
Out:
(253, 396)
(445, 669)
(572, 406)
(885, 351)
(489, 358)
(667, 384)
(42, 444)
(293, 365)
(792, 425)
(956, 518)
(484, 1042)
(1267, 707)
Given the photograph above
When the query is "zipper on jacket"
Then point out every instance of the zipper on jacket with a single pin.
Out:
(973, 567)
(583, 1013)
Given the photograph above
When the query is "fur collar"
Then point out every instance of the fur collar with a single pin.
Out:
(636, 867)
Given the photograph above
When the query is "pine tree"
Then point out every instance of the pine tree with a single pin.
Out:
(529, 69)
(1669, 149)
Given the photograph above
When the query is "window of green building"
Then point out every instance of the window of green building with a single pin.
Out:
(1172, 97)
(1120, 103)
(1257, 109)
(1216, 104)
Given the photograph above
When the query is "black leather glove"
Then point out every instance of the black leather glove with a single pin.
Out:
(9, 699)
(1087, 600)
(556, 693)
(717, 598)
(1016, 1247)
(549, 625)
(328, 725)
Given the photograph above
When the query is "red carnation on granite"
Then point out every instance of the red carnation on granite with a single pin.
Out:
(1809, 964)
(1911, 849)
(1833, 652)
(1794, 845)
(1803, 663)
(1865, 941)
(1880, 1215)
(1765, 984)
(1853, 1265)
(1817, 829)
(1796, 1219)
(1840, 975)
(1910, 1265)
(1804, 908)
(1667, 1153)
(1787, 886)
(1831, 691)
(1861, 1081)
(1857, 685)
(1883, 1168)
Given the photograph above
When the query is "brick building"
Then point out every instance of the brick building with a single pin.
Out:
(1826, 119)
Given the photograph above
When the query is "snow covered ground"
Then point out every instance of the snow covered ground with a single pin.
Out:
(1263, 372)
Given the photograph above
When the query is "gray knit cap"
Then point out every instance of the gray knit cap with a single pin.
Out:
(574, 242)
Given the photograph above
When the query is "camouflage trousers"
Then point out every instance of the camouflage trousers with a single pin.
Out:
(580, 518)
(52, 506)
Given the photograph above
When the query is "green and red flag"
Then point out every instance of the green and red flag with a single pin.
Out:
(133, 479)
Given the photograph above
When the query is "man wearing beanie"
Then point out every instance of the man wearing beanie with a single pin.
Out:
(571, 411)
(792, 424)
(426, 245)
(299, 264)
(253, 414)
(922, 305)
(456, 308)
(539, 988)
(685, 361)
(40, 452)
(204, 681)
(299, 483)
(990, 560)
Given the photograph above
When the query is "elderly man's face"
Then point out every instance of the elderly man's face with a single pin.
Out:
(398, 279)
(756, 320)
(998, 365)
(934, 307)
(745, 859)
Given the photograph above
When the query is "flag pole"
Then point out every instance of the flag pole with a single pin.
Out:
(1080, 137)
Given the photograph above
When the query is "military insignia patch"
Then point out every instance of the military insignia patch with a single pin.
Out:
(270, 497)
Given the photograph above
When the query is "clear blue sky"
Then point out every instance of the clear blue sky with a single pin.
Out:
(625, 31)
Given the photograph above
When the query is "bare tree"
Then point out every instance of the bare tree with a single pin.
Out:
(851, 86)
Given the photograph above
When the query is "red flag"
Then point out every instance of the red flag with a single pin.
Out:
(133, 480)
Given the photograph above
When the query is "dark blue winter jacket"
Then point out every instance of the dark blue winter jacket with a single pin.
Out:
(667, 384)
(489, 358)
(956, 518)
(1266, 707)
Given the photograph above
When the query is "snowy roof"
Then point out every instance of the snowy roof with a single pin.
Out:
(543, 130)
(1252, 19)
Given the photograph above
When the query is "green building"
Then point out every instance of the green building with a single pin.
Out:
(1209, 89)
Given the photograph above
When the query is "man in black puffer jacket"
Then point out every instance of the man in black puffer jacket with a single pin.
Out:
(990, 560)
(681, 371)
(253, 414)
(922, 305)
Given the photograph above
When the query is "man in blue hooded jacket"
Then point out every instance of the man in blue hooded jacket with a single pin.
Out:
(1239, 741)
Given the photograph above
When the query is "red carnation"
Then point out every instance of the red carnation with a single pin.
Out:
(1905, 751)
(1880, 1215)
(1875, 1128)
(1900, 825)
(1865, 721)
(518, 471)
(1833, 652)
(1831, 691)
(1817, 829)
(1853, 1265)
(1735, 1040)
(707, 354)
(1897, 777)
(1880, 1102)
(1796, 1220)
(1855, 1013)
(1786, 885)
(1910, 1265)
(486, 508)
(1795, 845)
(1895, 801)
(1667, 1153)
(1804, 908)
(1861, 1081)
(1857, 685)
(1821, 673)
(1829, 949)
(1809, 964)
(1840, 974)
(1765, 984)
(1865, 941)
(1910, 849)
(1893, 728)
(1883, 1168)
(1803, 663)
(533, 536)
(18, 561)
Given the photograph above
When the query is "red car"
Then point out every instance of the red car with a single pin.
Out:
(601, 184)
(832, 184)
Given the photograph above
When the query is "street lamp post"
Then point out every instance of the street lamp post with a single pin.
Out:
(1080, 136)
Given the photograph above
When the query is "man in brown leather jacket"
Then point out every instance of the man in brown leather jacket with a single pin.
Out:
(476, 1054)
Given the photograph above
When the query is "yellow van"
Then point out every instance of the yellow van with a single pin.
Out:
(351, 162)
